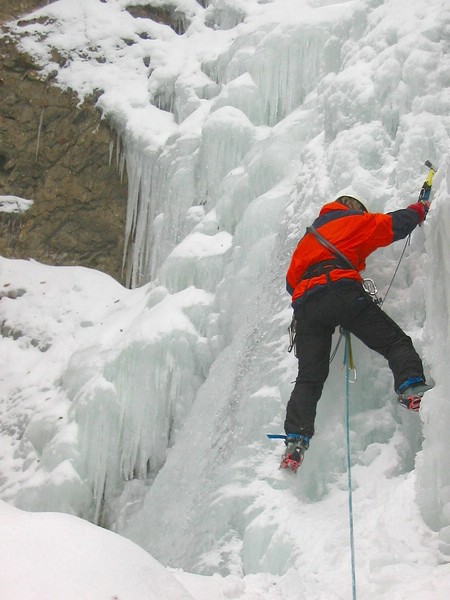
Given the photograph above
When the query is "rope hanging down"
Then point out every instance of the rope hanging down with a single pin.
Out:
(348, 368)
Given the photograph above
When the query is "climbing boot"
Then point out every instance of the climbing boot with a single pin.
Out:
(296, 445)
(410, 396)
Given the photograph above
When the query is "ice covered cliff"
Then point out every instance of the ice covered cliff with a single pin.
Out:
(146, 409)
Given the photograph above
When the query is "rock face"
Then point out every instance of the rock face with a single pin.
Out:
(57, 154)
(11, 9)
(167, 15)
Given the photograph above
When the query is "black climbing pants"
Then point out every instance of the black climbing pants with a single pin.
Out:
(348, 305)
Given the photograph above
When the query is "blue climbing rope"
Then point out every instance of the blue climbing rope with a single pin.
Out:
(348, 368)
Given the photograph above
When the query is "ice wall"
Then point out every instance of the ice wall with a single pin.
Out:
(340, 105)
(433, 486)
(234, 137)
(133, 386)
(258, 80)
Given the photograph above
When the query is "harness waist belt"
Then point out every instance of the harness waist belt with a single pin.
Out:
(323, 268)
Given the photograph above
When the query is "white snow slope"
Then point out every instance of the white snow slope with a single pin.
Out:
(145, 410)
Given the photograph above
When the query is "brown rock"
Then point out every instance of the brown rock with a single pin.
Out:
(166, 15)
(12, 9)
(57, 154)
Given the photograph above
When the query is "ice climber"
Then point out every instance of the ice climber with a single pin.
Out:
(327, 290)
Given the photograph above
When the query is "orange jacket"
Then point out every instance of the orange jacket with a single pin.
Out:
(355, 234)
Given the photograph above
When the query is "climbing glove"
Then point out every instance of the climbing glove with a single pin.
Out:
(422, 207)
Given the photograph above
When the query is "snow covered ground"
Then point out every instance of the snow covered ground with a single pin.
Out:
(145, 410)
(48, 555)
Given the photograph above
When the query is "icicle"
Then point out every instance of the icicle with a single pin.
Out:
(118, 149)
(161, 189)
(41, 120)
(111, 150)
(120, 157)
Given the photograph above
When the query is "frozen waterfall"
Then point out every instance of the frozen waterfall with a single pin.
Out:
(234, 134)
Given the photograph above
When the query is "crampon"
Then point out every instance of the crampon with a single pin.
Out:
(410, 402)
(411, 397)
(292, 461)
(296, 445)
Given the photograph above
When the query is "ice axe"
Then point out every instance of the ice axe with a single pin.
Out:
(426, 187)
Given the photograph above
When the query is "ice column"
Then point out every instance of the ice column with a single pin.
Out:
(161, 189)
(433, 464)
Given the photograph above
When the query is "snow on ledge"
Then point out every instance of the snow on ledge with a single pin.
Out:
(14, 204)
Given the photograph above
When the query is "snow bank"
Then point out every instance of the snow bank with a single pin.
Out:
(49, 556)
